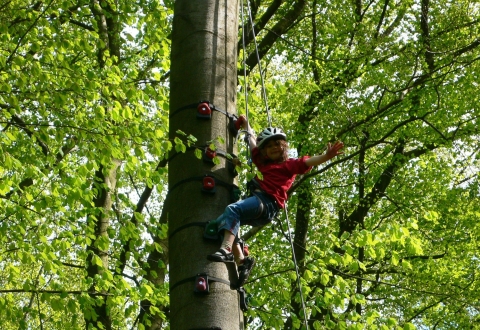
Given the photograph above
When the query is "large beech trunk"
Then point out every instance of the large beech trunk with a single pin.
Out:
(203, 67)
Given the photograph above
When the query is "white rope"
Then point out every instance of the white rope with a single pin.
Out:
(264, 93)
(296, 268)
(245, 79)
(244, 62)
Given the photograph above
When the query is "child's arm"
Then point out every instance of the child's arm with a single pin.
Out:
(252, 139)
(332, 151)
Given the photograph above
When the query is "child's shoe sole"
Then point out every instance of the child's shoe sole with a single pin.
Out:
(221, 256)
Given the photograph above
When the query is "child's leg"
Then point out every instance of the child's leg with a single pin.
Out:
(228, 239)
(244, 270)
(229, 223)
(225, 253)
(238, 253)
(245, 264)
(229, 246)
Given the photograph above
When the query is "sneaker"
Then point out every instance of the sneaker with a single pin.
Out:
(244, 270)
(221, 256)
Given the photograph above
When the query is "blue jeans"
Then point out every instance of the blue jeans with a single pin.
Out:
(256, 210)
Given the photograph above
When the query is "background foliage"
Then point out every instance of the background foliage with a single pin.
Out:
(385, 236)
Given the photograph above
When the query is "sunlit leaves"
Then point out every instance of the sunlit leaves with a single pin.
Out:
(179, 145)
(63, 118)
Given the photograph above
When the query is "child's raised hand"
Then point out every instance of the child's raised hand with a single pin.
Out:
(243, 122)
(334, 150)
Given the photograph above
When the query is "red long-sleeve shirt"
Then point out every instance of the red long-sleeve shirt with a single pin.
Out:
(279, 177)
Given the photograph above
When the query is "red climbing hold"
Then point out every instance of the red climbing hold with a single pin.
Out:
(208, 183)
(210, 153)
(204, 111)
(201, 284)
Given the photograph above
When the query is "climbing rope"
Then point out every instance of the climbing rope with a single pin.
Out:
(244, 62)
(245, 80)
(296, 267)
(264, 94)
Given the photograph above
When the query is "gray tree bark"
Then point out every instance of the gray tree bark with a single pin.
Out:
(203, 67)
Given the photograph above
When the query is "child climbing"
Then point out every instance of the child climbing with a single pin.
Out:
(270, 155)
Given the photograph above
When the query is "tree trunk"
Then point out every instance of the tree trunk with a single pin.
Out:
(203, 67)
(104, 181)
(99, 223)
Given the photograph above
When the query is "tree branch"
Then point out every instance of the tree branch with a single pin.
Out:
(55, 292)
(281, 27)
(467, 48)
(82, 25)
(382, 17)
(426, 34)
(259, 25)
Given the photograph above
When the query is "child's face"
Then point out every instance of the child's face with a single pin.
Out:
(273, 150)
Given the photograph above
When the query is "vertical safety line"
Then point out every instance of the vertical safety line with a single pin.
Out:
(296, 268)
(264, 93)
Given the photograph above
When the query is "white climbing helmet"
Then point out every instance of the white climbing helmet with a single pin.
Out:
(270, 133)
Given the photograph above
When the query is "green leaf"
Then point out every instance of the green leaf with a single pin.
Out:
(10, 136)
(406, 264)
(198, 153)
(146, 290)
(179, 145)
(72, 306)
(192, 139)
(97, 261)
(324, 279)
(370, 252)
(391, 321)
(221, 140)
(354, 267)
(159, 133)
(102, 244)
(180, 132)
(308, 275)
(395, 259)
(56, 304)
(139, 217)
